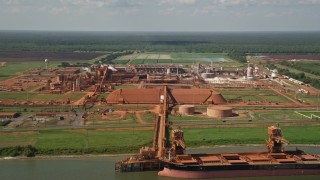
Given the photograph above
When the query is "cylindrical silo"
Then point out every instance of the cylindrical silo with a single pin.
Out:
(186, 110)
(219, 111)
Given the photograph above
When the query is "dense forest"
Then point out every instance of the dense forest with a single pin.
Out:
(235, 43)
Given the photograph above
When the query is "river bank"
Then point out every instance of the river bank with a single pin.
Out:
(202, 149)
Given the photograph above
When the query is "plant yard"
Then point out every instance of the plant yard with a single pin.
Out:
(175, 58)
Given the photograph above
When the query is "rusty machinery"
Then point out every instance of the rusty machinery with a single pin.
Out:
(151, 158)
(177, 143)
(162, 149)
(275, 141)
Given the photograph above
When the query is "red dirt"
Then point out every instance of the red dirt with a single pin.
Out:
(152, 96)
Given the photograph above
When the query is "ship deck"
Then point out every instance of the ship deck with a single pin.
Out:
(254, 158)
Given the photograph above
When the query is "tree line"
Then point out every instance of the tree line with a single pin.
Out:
(242, 43)
(301, 68)
(315, 82)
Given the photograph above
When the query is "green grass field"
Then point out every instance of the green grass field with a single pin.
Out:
(178, 58)
(313, 66)
(130, 120)
(82, 138)
(38, 97)
(125, 87)
(148, 117)
(13, 69)
(198, 55)
(79, 139)
(310, 99)
(137, 61)
(277, 115)
(256, 135)
(120, 61)
(164, 61)
(310, 114)
(182, 118)
(254, 96)
(297, 71)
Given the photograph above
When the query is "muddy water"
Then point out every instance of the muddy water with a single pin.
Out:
(97, 168)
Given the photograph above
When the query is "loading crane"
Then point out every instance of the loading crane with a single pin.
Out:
(151, 158)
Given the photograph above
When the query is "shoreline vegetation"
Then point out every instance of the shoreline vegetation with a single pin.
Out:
(130, 154)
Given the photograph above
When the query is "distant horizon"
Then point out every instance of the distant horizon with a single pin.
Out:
(163, 31)
(161, 15)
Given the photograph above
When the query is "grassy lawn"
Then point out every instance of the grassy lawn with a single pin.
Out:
(279, 115)
(181, 118)
(313, 66)
(98, 58)
(82, 138)
(297, 71)
(96, 119)
(198, 55)
(52, 139)
(49, 97)
(120, 61)
(309, 114)
(126, 57)
(103, 96)
(310, 99)
(276, 98)
(164, 61)
(254, 96)
(150, 61)
(256, 135)
(38, 97)
(148, 117)
(125, 87)
(137, 61)
(186, 61)
(179, 58)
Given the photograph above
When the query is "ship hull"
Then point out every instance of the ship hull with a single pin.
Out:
(236, 173)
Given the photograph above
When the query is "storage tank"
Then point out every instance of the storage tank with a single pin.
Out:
(249, 72)
(219, 111)
(60, 78)
(168, 71)
(207, 75)
(186, 110)
(274, 74)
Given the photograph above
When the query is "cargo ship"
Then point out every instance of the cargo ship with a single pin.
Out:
(275, 162)
(170, 159)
